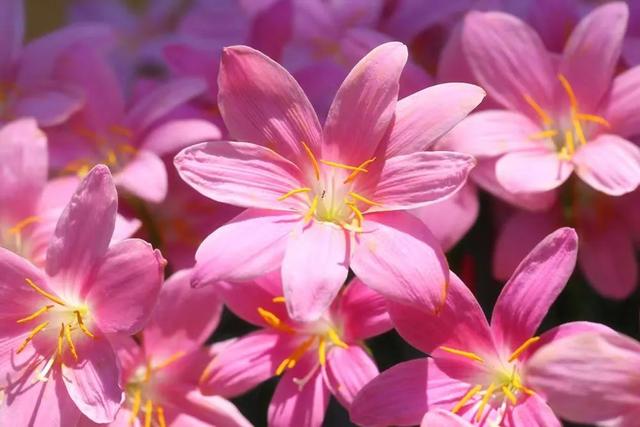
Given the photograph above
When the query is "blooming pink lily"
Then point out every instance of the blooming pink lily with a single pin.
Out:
(56, 358)
(324, 200)
(477, 370)
(561, 115)
(160, 376)
(315, 359)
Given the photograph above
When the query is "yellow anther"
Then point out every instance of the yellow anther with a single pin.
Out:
(593, 118)
(135, 409)
(32, 334)
(127, 148)
(112, 159)
(364, 199)
(60, 340)
(335, 338)
(279, 300)
(573, 101)
(359, 169)
(298, 352)
(169, 360)
(312, 209)
(472, 392)
(522, 348)
(322, 352)
(82, 326)
(512, 398)
(467, 354)
(485, 399)
(544, 134)
(22, 224)
(148, 413)
(274, 321)
(36, 314)
(568, 142)
(44, 293)
(314, 162)
(72, 347)
(121, 130)
(538, 109)
(356, 212)
(161, 419)
(579, 131)
(294, 191)
(343, 166)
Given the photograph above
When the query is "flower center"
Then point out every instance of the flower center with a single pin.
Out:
(569, 132)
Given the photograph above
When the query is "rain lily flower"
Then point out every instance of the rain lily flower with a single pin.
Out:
(324, 200)
(559, 116)
(160, 375)
(477, 370)
(315, 359)
(590, 378)
(130, 137)
(56, 358)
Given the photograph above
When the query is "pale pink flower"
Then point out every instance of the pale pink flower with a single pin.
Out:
(316, 359)
(324, 200)
(561, 115)
(477, 370)
(56, 358)
(161, 375)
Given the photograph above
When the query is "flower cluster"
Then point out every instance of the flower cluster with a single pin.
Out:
(307, 171)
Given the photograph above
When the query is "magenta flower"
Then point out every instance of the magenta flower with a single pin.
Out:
(56, 358)
(477, 370)
(315, 359)
(324, 200)
(160, 376)
(561, 115)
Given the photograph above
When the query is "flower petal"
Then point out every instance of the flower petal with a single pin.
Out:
(314, 268)
(363, 312)
(50, 103)
(144, 176)
(194, 409)
(241, 174)
(348, 370)
(543, 273)
(532, 171)
(175, 135)
(364, 106)
(443, 418)
(12, 22)
(622, 109)
(398, 256)
(534, 411)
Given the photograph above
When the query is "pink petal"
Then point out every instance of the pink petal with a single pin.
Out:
(509, 60)
(534, 411)
(543, 273)
(84, 230)
(592, 52)
(250, 245)
(622, 110)
(364, 106)
(124, 285)
(175, 135)
(443, 418)
(183, 317)
(460, 313)
(348, 370)
(563, 331)
(261, 103)
(314, 268)
(363, 312)
(272, 28)
(609, 164)
(413, 180)
(563, 372)
(93, 382)
(194, 409)
(144, 176)
(246, 362)
(402, 394)
(50, 103)
(23, 171)
(241, 174)
(422, 118)
(397, 256)
(12, 22)
(294, 405)
(532, 171)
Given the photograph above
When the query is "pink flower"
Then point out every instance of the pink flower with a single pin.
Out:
(315, 359)
(477, 370)
(56, 358)
(324, 200)
(160, 375)
(561, 115)
(590, 378)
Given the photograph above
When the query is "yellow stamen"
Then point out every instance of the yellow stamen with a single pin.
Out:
(126, 148)
(356, 212)
(343, 166)
(467, 354)
(550, 133)
(563, 155)
(44, 293)
(359, 169)
(568, 141)
(148, 412)
(60, 339)
(509, 394)
(335, 338)
(522, 348)
(121, 130)
(538, 109)
(292, 192)
(298, 352)
(32, 334)
(36, 314)
(578, 126)
(169, 360)
(135, 410)
(279, 299)
(72, 347)
(82, 326)
(593, 118)
(517, 384)
(349, 227)
(22, 224)
(274, 321)
(322, 352)
(112, 160)
(161, 420)
(312, 209)
(570, 93)
(364, 199)
(485, 400)
(472, 392)
(314, 162)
